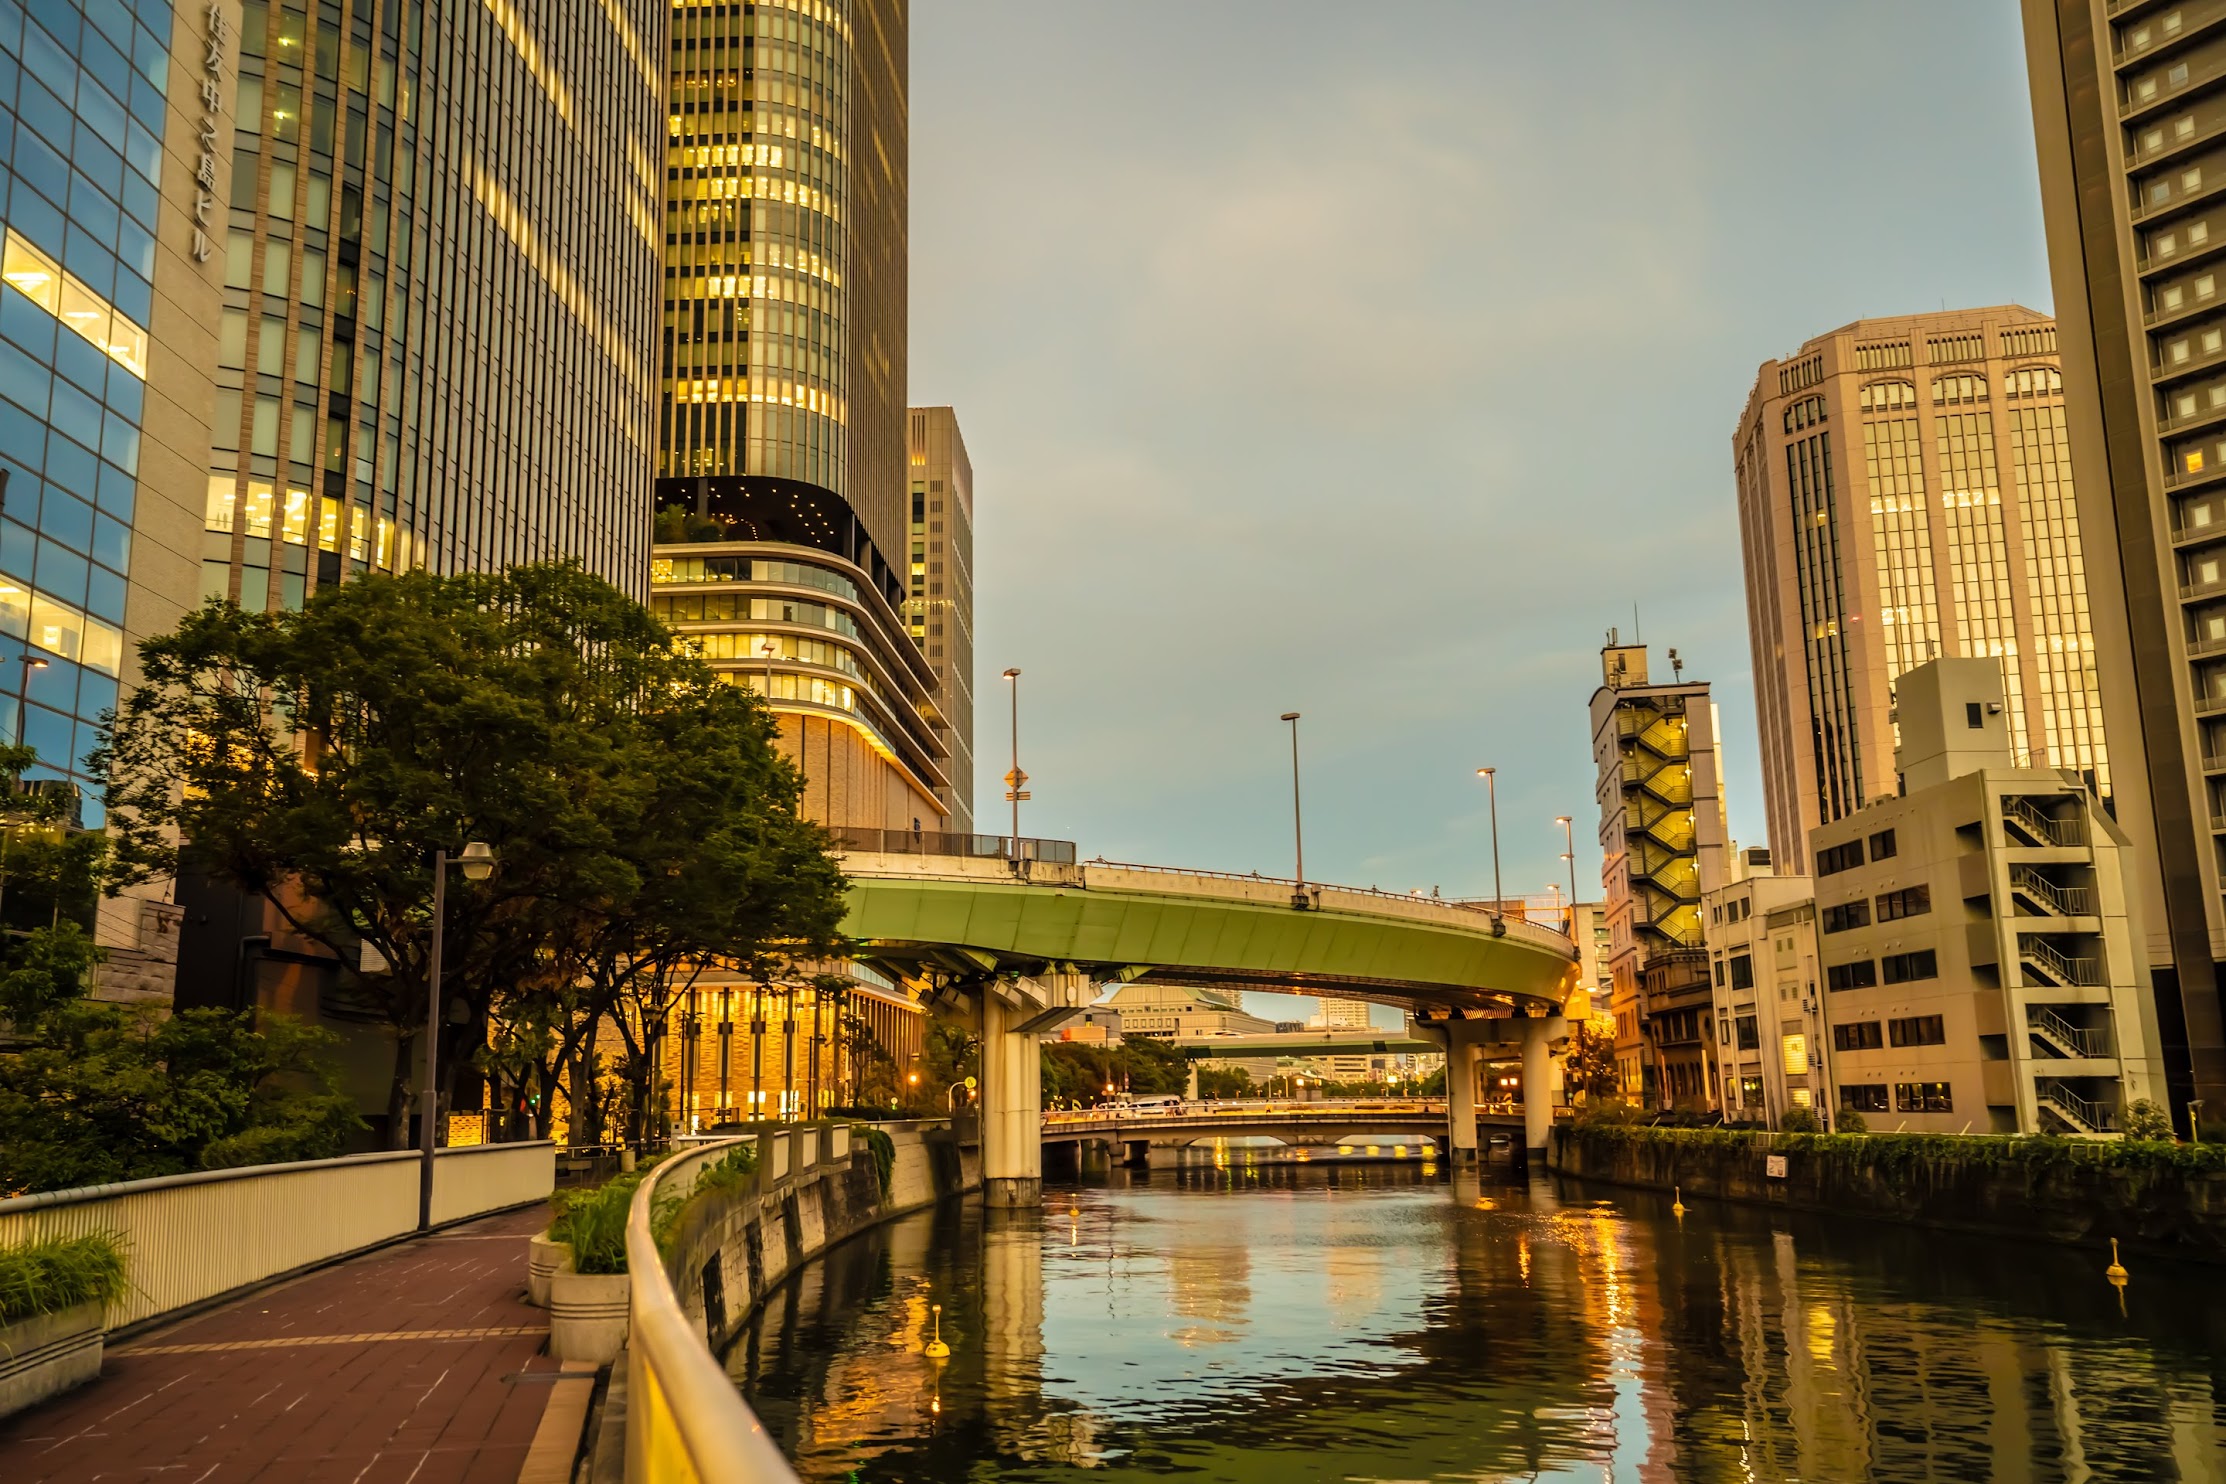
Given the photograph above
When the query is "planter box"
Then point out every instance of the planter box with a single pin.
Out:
(587, 1315)
(47, 1355)
(544, 1260)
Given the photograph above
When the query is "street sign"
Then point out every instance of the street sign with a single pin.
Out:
(1016, 779)
(1012, 798)
(1773, 1166)
(969, 1084)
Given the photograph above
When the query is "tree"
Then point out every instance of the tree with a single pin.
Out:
(1799, 1120)
(2145, 1120)
(1223, 1082)
(1590, 1062)
(644, 822)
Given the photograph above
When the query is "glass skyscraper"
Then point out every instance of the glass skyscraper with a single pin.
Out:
(84, 114)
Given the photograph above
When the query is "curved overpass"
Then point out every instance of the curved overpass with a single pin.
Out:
(1293, 1123)
(964, 917)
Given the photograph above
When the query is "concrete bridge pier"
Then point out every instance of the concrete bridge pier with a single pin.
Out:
(1538, 1109)
(1460, 1040)
(1016, 1013)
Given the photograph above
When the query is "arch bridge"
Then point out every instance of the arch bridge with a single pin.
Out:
(1020, 940)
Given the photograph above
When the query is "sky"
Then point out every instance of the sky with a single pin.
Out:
(1372, 361)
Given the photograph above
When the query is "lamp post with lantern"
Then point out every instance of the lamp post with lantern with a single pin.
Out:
(477, 863)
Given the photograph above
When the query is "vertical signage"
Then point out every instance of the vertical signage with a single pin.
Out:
(214, 35)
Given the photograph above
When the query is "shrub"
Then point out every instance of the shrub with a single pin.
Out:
(1852, 1122)
(2145, 1120)
(50, 1276)
(1611, 1113)
(1801, 1121)
(884, 1155)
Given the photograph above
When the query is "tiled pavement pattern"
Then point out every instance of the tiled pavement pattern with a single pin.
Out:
(419, 1362)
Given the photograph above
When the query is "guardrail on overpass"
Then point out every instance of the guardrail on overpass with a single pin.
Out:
(192, 1238)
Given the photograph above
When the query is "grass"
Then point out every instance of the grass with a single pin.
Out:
(48, 1277)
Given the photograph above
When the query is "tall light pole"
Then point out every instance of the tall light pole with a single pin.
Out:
(478, 863)
(768, 649)
(1491, 785)
(23, 693)
(1016, 781)
(1298, 827)
(1569, 854)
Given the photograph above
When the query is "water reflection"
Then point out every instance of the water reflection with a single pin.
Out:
(1255, 1323)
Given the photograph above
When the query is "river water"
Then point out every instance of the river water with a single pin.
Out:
(1278, 1324)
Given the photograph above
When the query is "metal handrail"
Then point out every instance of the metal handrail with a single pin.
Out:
(1481, 906)
(2076, 971)
(2066, 901)
(2095, 1116)
(2080, 1039)
(685, 1416)
(2030, 815)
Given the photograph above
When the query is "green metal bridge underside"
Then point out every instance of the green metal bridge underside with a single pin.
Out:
(958, 929)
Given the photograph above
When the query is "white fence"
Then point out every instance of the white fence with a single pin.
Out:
(191, 1238)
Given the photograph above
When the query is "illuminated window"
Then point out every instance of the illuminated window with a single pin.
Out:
(45, 283)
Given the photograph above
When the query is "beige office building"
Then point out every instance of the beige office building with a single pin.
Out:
(2129, 112)
(1663, 842)
(1905, 492)
(1770, 1035)
(939, 593)
(1981, 963)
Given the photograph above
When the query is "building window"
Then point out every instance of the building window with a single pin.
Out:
(1856, 1035)
(1923, 1097)
(1839, 858)
(1750, 1037)
(1910, 901)
(1917, 1030)
(1882, 846)
(1793, 1053)
(1949, 391)
(1863, 1097)
(1887, 396)
(1901, 968)
(1861, 974)
(1750, 1092)
(1742, 971)
(1844, 916)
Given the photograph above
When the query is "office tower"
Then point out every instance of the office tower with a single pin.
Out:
(1979, 944)
(939, 596)
(2127, 102)
(1905, 492)
(106, 343)
(435, 230)
(1663, 839)
(781, 490)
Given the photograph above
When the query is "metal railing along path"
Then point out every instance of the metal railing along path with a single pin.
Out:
(1415, 904)
(192, 1238)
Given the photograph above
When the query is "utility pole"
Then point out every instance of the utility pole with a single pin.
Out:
(1298, 827)
(1016, 782)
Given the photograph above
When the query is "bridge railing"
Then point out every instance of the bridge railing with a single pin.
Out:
(933, 842)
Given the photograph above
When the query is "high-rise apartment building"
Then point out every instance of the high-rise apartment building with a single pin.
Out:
(1663, 841)
(781, 433)
(2129, 111)
(1906, 493)
(436, 234)
(939, 593)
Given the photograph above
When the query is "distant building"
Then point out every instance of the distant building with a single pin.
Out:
(1663, 838)
(939, 595)
(1980, 944)
(1905, 493)
(1770, 1036)
(1163, 1011)
(1342, 1015)
(1099, 1027)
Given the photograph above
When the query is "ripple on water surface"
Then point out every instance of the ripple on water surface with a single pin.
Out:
(1370, 1323)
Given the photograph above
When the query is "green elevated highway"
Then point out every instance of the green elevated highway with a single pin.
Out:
(1023, 938)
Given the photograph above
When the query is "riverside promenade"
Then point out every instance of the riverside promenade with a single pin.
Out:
(419, 1362)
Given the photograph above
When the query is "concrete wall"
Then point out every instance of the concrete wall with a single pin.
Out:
(2021, 1188)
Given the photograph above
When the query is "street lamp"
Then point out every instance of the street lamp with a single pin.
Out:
(1016, 781)
(1569, 854)
(1298, 828)
(768, 649)
(23, 693)
(477, 863)
(1491, 784)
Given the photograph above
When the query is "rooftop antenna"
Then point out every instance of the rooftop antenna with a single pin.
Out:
(1638, 636)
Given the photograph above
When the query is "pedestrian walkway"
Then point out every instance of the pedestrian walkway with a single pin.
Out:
(421, 1362)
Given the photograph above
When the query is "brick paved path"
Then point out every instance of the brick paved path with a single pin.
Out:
(420, 1362)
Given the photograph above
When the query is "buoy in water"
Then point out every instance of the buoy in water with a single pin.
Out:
(936, 1349)
(2116, 1272)
(1677, 1201)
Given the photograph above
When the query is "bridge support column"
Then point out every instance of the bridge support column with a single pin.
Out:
(1012, 1108)
(1460, 1090)
(1538, 1092)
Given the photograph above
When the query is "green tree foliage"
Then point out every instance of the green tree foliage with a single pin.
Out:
(1224, 1082)
(2145, 1120)
(1589, 1066)
(1801, 1121)
(645, 824)
(677, 523)
(1079, 1071)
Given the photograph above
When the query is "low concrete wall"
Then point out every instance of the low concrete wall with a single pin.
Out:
(189, 1239)
(2029, 1188)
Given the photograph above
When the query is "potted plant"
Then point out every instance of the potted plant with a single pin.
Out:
(588, 1296)
(547, 1254)
(53, 1296)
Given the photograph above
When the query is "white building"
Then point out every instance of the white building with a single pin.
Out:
(1770, 1031)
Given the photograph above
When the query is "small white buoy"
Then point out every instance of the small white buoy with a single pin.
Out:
(1677, 1202)
(936, 1349)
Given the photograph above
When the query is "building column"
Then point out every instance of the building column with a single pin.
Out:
(1460, 1089)
(1012, 1107)
(1538, 1090)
